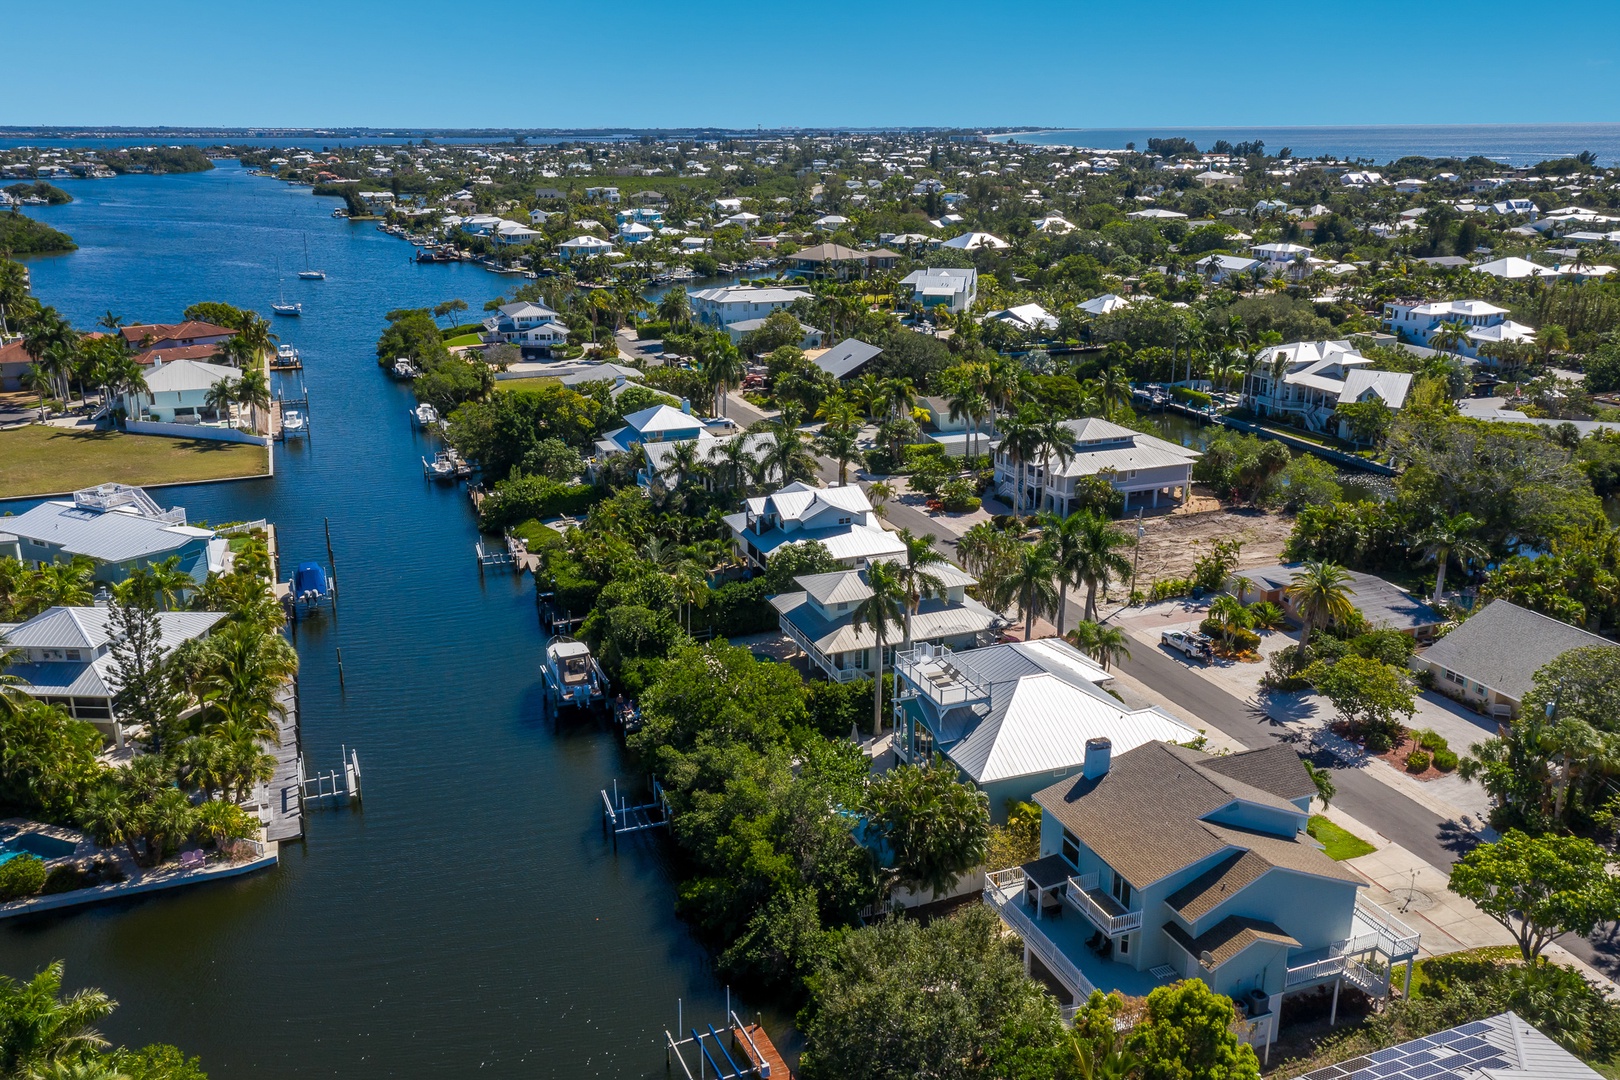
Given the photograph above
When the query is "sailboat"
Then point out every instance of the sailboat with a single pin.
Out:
(306, 274)
(281, 307)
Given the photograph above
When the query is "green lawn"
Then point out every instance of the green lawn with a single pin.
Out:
(525, 384)
(39, 460)
(1340, 845)
(463, 339)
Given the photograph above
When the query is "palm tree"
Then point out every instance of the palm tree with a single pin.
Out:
(840, 443)
(1231, 614)
(683, 465)
(675, 308)
(732, 462)
(1450, 538)
(60, 585)
(1054, 448)
(867, 391)
(786, 459)
(918, 581)
(880, 492)
(39, 1027)
(723, 369)
(1105, 644)
(1019, 439)
(1090, 554)
(12, 697)
(1449, 337)
(1320, 592)
(1033, 572)
(221, 396)
(881, 611)
(897, 397)
(253, 390)
(1114, 386)
(170, 582)
(246, 670)
(107, 814)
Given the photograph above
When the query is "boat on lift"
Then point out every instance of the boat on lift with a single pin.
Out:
(573, 677)
(286, 359)
(308, 589)
(293, 423)
(404, 369)
(426, 416)
(447, 465)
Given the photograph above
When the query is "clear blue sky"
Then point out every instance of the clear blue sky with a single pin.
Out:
(506, 63)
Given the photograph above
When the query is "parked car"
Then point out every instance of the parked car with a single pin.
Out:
(1190, 643)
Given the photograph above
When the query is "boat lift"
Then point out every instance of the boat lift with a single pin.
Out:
(618, 816)
(338, 786)
(750, 1054)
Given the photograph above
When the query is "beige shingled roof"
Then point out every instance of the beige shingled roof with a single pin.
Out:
(1230, 936)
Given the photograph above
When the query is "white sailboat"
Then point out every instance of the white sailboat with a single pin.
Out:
(281, 307)
(307, 274)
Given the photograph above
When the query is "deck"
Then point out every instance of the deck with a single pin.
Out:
(1062, 933)
(751, 1037)
(282, 804)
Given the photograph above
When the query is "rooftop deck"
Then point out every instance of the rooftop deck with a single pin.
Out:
(1057, 936)
(930, 669)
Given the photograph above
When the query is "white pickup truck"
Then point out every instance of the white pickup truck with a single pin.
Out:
(1190, 643)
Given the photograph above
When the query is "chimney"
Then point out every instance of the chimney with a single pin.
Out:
(157, 361)
(686, 407)
(1099, 752)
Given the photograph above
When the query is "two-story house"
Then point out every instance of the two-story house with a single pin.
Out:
(961, 435)
(840, 518)
(583, 247)
(116, 527)
(661, 429)
(1139, 465)
(64, 657)
(944, 287)
(729, 304)
(820, 618)
(1015, 717)
(1484, 323)
(531, 327)
(178, 392)
(1165, 863)
(1309, 379)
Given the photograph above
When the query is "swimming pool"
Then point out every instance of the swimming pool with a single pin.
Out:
(29, 843)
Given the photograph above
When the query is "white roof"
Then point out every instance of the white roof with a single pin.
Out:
(749, 294)
(656, 419)
(1101, 445)
(973, 241)
(1389, 385)
(1102, 305)
(1514, 267)
(1155, 212)
(1443, 308)
(183, 375)
(588, 243)
(1032, 316)
(115, 536)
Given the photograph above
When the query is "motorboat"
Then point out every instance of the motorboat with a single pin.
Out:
(286, 359)
(426, 415)
(309, 587)
(293, 422)
(573, 677)
(445, 466)
(404, 369)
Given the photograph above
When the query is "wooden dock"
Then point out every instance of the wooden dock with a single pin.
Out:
(762, 1054)
(282, 804)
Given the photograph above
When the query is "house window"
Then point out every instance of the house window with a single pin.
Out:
(1452, 676)
(1071, 849)
(1125, 945)
(1122, 892)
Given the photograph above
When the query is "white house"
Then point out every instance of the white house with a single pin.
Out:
(526, 325)
(1279, 254)
(602, 194)
(1484, 323)
(973, 241)
(582, 247)
(954, 290)
(840, 518)
(1029, 318)
(1134, 463)
(1104, 304)
(177, 392)
(1155, 213)
(1309, 379)
(1215, 178)
(1218, 267)
(736, 303)
(1514, 267)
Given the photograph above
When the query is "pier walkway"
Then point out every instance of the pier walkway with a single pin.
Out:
(282, 805)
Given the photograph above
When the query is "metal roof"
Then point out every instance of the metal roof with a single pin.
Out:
(842, 359)
(114, 536)
(1501, 1047)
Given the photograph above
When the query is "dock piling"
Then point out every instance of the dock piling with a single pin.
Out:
(341, 685)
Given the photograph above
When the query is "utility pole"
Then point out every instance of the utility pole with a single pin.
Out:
(1140, 531)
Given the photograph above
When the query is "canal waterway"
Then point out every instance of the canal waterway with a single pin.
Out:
(471, 918)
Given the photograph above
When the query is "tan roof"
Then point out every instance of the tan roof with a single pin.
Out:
(1230, 936)
(1144, 817)
(1275, 769)
(1215, 886)
(840, 253)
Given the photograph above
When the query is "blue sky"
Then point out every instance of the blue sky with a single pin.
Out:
(505, 63)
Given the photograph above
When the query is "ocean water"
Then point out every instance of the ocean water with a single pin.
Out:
(470, 919)
(1511, 144)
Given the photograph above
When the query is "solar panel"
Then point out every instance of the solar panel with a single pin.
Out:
(1470, 1043)
(1494, 1063)
(1478, 1027)
(1424, 1072)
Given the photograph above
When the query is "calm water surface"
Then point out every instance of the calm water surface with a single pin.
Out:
(470, 918)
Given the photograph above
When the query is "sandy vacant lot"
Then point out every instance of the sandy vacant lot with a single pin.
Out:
(1172, 542)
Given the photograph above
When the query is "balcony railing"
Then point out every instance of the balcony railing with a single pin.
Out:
(1353, 971)
(931, 669)
(1394, 938)
(1004, 891)
(1112, 923)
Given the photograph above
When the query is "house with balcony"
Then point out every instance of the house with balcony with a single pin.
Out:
(583, 247)
(531, 327)
(64, 657)
(820, 618)
(840, 518)
(1307, 380)
(1165, 863)
(1484, 323)
(720, 307)
(117, 527)
(1014, 717)
(659, 429)
(1142, 467)
(943, 287)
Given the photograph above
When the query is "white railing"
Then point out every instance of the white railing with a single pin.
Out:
(1051, 956)
(1395, 938)
(1110, 924)
(1364, 978)
(1320, 969)
(954, 689)
(1354, 972)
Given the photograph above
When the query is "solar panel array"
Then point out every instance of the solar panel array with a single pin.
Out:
(1457, 1054)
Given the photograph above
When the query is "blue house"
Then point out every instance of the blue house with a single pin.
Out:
(117, 527)
(1167, 864)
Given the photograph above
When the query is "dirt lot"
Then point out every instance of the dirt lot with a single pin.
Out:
(1173, 541)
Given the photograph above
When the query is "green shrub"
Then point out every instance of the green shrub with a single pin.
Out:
(1286, 671)
(1417, 761)
(65, 878)
(1267, 616)
(1430, 740)
(1170, 588)
(1243, 640)
(1391, 646)
(1191, 396)
(738, 608)
(1445, 760)
(21, 876)
(523, 497)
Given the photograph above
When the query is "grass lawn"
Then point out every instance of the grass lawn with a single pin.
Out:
(1340, 844)
(463, 339)
(539, 536)
(38, 460)
(525, 384)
